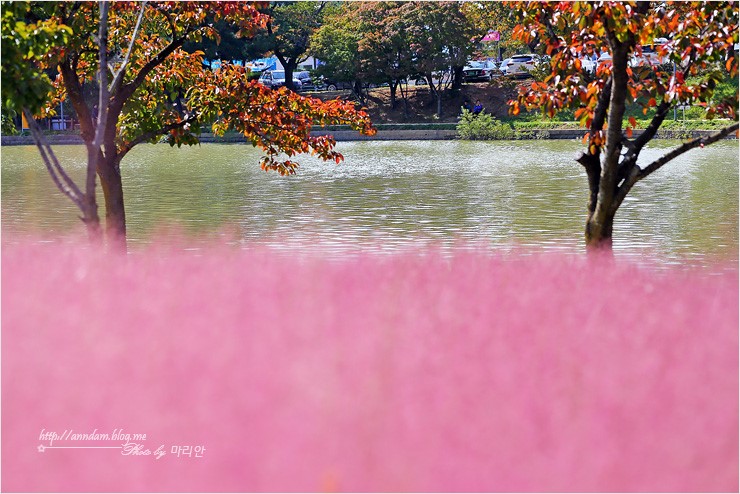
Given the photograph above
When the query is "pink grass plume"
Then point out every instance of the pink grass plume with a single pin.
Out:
(416, 371)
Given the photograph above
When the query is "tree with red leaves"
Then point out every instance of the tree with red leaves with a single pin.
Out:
(150, 88)
(698, 40)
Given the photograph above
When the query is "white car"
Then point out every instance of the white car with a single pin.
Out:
(519, 64)
(650, 56)
(588, 64)
(604, 59)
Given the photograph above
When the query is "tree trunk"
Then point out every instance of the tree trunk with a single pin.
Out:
(601, 215)
(289, 69)
(115, 214)
(404, 96)
(599, 233)
(457, 78)
(289, 65)
(357, 89)
(90, 216)
(393, 86)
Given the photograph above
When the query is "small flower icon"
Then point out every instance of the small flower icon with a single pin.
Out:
(41, 448)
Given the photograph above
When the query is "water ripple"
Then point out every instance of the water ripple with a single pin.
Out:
(391, 195)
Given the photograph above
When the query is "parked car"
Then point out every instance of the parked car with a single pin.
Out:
(276, 78)
(481, 64)
(476, 75)
(604, 59)
(333, 85)
(519, 64)
(650, 55)
(588, 64)
(306, 81)
(479, 71)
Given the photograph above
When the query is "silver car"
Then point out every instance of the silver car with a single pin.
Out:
(276, 78)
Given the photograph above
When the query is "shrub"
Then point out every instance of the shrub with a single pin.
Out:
(8, 125)
(483, 126)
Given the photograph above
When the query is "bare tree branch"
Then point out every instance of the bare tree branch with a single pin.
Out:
(90, 209)
(128, 89)
(75, 7)
(617, 108)
(602, 106)
(687, 146)
(588, 159)
(60, 178)
(118, 78)
(102, 77)
(636, 173)
(68, 69)
(635, 147)
(591, 161)
(146, 136)
(167, 16)
(652, 129)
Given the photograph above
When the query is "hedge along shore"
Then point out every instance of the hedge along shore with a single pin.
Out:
(416, 133)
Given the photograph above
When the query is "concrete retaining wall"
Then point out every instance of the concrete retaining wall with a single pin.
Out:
(53, 139)
(382, 135)
(391, 135)
(662, 134)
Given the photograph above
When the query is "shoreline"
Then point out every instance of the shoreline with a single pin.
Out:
(424, 134)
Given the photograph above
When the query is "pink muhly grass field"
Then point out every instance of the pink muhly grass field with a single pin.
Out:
(406, 372)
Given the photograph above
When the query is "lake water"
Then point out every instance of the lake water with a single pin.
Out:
(396, 194)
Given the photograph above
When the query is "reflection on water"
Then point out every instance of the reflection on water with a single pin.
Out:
(392, 195)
